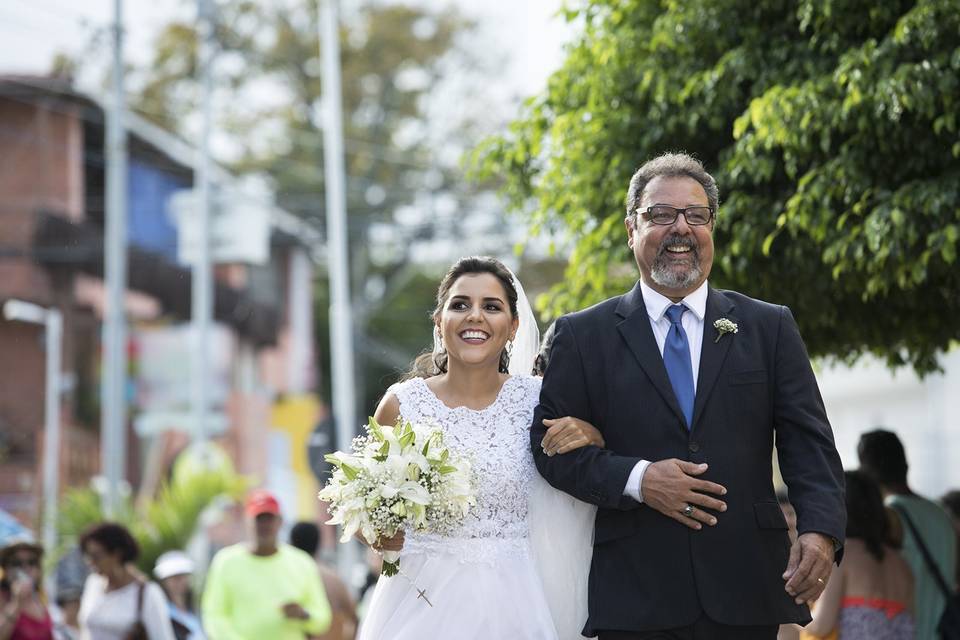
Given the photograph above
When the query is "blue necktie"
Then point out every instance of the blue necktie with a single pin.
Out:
(676, 359)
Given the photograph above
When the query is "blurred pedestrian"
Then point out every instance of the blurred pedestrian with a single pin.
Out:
(23, 614)
(174, 571)
(66, 622)
(343, 626)
(543, 356)
(117, 603)
(951, 500)
(870, 595)
(264, 589)
(882, 458)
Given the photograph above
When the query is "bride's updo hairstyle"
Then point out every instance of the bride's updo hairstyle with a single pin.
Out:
(433, 363)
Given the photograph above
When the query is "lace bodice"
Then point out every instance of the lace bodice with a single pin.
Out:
(497, 441)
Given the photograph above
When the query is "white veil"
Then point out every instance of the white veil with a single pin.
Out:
(561, 527)
(526, 342)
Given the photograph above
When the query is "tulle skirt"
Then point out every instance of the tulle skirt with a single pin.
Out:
(561, 537)
(495, 597)
(493, 589)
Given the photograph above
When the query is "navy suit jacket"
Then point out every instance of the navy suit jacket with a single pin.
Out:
(755, 390)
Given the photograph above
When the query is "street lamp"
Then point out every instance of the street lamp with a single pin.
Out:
(52, 320)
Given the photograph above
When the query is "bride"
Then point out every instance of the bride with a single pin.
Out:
(517, 568)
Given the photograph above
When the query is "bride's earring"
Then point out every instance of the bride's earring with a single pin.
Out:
(439, 353)
(509, 347)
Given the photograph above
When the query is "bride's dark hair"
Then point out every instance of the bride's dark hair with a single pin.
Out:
(433, 363)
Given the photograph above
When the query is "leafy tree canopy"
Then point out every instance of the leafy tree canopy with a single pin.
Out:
(830, 125)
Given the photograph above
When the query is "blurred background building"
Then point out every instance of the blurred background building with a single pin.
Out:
(264, 372)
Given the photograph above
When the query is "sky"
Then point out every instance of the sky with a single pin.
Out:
(526, 33)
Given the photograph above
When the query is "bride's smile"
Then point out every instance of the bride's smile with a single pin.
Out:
(474, 336)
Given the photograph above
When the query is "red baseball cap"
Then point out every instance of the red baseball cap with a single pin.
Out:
(261, 501)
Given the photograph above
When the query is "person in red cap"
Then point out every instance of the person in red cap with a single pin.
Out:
(264, 588)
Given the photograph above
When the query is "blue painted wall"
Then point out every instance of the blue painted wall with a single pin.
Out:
(149, 225)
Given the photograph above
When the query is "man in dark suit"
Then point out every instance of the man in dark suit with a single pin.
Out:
(691, 388)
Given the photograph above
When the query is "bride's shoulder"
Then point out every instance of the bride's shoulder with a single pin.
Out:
(529, 383)
(397, 395)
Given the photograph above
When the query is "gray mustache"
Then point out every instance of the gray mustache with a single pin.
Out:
(677, 239)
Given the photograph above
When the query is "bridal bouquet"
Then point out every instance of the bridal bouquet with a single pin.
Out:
(394, 477)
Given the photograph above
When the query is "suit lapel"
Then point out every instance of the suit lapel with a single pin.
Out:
(712, 351)
(637, 333)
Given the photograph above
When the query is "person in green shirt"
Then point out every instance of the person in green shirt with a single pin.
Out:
(263, 588)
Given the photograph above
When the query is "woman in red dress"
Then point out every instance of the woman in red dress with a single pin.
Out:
(23, 614)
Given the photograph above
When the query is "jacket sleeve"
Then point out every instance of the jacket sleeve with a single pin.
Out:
(591, 474)
(216, 604)
(806, 451)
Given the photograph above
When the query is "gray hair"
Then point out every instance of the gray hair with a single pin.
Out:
(671, 165)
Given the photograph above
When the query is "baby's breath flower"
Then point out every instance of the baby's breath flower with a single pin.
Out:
(724, 326)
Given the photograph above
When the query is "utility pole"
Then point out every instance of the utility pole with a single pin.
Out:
(341, 333)
(113, 424)
(201, 309)
(52, 321)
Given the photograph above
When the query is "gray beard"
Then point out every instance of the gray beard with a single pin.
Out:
(674, 278)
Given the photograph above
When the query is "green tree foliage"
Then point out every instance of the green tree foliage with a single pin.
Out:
(830, 125)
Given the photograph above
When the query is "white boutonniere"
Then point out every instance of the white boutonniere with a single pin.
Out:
(724, 326)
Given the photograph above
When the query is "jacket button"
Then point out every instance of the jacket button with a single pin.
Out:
(693, 446)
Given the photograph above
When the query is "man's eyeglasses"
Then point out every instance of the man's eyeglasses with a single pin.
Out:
(665, 214)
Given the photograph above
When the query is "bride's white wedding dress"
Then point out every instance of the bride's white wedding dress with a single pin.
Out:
(488, 580)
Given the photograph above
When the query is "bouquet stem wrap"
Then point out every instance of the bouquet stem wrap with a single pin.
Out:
(391, 563)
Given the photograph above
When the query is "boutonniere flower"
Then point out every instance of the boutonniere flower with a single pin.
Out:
(724, 326)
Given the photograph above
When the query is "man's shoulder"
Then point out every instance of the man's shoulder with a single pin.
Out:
(231, 553)
(925, 512)
(743, 302)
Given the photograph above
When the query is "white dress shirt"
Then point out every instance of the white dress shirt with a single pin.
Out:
(692, 321)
